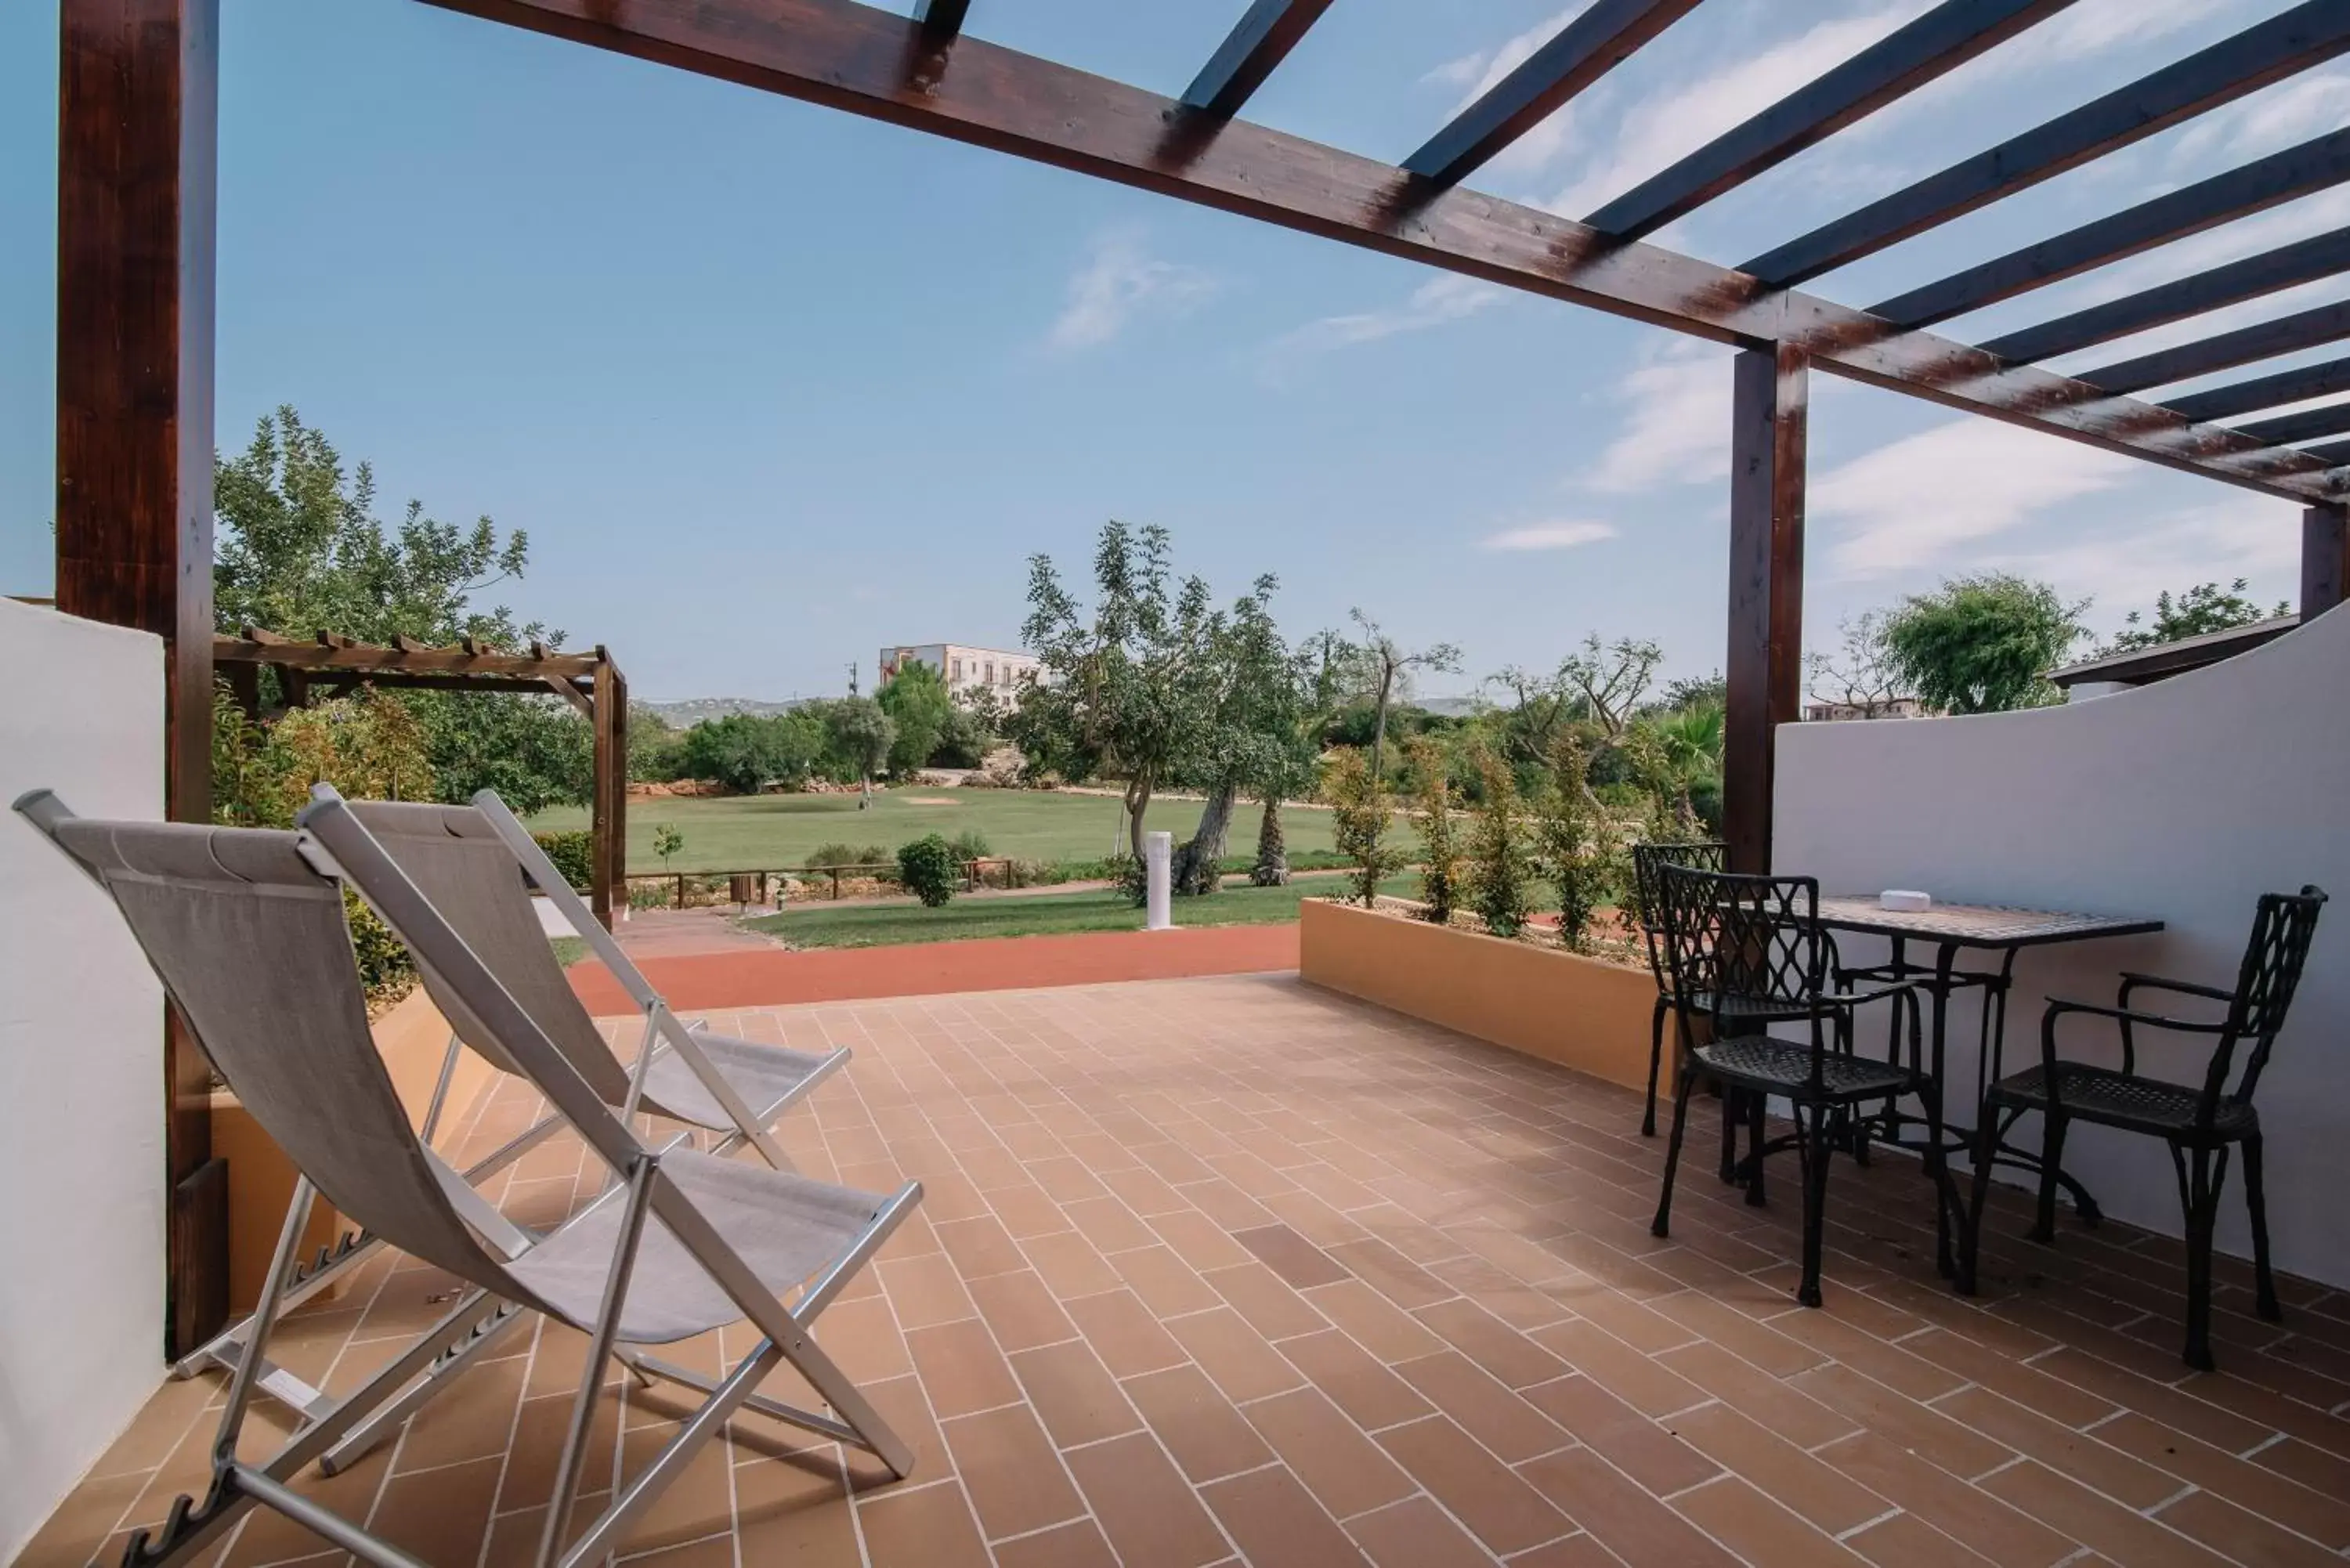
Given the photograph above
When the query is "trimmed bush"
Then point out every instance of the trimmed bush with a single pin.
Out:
(971, 843)
(574, 854)
(930, 869)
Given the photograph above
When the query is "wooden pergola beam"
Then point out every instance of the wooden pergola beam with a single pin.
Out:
(2269, 391)
(404, 656)
(1933, 44)
(1578, 54)
(942, 20)
(2239, 193)
(1258, 43)
(2324, 560)
(2307, 425)
(2287, 266)
(2284, 45)
(2226, 350)
(1771, 400)
(138, 91)
(853, 58)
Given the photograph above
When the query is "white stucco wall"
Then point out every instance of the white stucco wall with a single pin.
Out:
(2184, 801)
(81, 1167)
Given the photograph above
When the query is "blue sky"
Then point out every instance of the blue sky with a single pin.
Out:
(771, 386)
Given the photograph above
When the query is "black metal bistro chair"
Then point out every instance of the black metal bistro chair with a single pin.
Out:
(1709, 854)
(2199, 1124)
(1748, 952)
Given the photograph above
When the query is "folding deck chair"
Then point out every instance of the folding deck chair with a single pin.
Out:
(246, 927)
(471, 863)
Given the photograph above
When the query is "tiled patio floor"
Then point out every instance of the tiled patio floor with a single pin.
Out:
(1230, 1270)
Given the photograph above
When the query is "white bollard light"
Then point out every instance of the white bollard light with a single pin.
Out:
(1158, 855)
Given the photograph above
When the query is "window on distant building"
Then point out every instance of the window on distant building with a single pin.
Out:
(957, 669)
(990, 673)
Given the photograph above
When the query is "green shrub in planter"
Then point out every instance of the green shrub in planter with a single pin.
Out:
(930, 870)
(574, 854)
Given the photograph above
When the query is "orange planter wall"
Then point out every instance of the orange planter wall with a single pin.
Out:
(1577, 1012)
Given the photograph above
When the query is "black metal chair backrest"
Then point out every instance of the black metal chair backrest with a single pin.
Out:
(2283, 930)
(1647, 860)
(1736, 939)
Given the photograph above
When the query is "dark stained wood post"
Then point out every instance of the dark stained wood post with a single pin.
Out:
(137, 104)
(1766, 588)
(611, 791)
(2324, 559)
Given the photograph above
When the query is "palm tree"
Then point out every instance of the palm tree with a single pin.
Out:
(1688, 740)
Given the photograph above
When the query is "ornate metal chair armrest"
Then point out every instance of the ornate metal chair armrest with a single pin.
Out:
(1843, 998)
(2058, 1005)
(2132, 981)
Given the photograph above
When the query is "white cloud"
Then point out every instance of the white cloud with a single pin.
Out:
(1657, 131)
(2094, 25)
(1563, 534)
(1117, 282)
(1676, 422)
(2267, 122)
(1449, 297)
(1912, 503)
(1476, 75)
(2243, 536)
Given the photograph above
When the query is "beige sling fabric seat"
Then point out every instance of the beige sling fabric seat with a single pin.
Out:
(477, 865)
(250, 939)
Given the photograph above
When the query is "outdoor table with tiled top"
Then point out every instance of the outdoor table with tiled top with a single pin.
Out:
(1953, 928)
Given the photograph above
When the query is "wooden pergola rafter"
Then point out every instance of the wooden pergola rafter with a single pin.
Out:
(136, 192)
(328, 665)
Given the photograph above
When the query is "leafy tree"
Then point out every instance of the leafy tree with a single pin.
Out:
(860, 734)
(1130, 685)
(918, 702)
(1983, 644)
(1599, 688)
(1689, 690)
(1247, 737)
(1387, 669)
(1499, 863)
(655, 746)
(300, 550)
(930, 869)
(1440, 850)
(2201, 609)
(746, 750)
(667, 842)
(964, 740)
(1318, 675)
(1358, 821)
(1863, 674)
(1575, 844)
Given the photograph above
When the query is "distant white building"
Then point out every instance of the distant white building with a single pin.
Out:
(967, 671)
(1890, 708)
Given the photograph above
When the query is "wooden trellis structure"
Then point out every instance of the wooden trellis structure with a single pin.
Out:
(331, 665)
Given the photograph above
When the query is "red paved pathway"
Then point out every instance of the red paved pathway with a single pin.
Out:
(1002, 963)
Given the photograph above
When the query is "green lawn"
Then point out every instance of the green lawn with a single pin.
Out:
(1045, 914)
(765, 832)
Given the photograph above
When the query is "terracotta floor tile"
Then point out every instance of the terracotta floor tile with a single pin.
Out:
(1109, 1224)
(1495, 1416)
(1794, 1416)
(1234, 1355)
(979, 1246)
(2325, 1516)
(795, 1510)
(439, 1516)
(2081, 1455)
(1198, 1239)
(1582, 1551)
(1391, 1273)
(922, 1291)
(1644, 1382)
(2076, 1511)
(1149, 1512)
(1414, 1533)
(1076, 1545)
(1652, 1451)
(1299, 1262)
(1960, 1450)
(2240, 1534)
(1356, 1381)
(1208, 1438)
(1146, 1191)
(1346, 1470)
(1010, 1470)
(1492, 1343)
(1125, 1332)
(1026, 1209)
(1904, 1541)
(1377, 1324)
(1021, 1310)
(1757, 1529)
(929, 1527)
(1270, 1304)
(1624, 1519)
(961, 1368)
(1272, 1519)
(1506, 1513)
(1069, 1264)
(1167, 1284)
(1075, 1395)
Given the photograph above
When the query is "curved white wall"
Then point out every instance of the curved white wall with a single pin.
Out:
(2184, 801)
(81, 1050)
